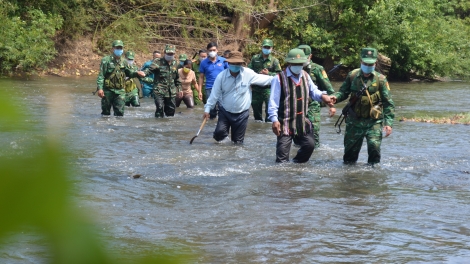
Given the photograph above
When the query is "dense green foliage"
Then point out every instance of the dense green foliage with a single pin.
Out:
(36, 198)
(26, 41)
(423, 38)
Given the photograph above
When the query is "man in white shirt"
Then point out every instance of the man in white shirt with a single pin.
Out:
(232, 90)
(291, 91)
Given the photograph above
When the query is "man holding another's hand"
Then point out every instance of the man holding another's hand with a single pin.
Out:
(291, 92)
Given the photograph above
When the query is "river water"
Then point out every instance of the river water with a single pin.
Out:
(233, 204)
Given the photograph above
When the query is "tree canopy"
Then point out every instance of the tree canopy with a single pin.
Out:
(424, 38)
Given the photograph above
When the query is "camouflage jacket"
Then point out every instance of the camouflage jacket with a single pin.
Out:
(166, 80)
(113, 73)
(379, 91)
(320, 79)
(258, 63)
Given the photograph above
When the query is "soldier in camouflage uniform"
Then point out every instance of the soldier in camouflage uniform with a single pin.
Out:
(199, 96)
(166, 84)
(111, 80)
(132, 92)
(320, 79)
(263, 63)
(181, 59)
(371, 113)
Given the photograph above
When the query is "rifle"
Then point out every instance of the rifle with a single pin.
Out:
(348, 109)
(95, 91)
(334, 68)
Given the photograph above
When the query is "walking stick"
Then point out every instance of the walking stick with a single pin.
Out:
(202, 125)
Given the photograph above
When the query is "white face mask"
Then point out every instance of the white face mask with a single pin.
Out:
(296, 69)
(212, 54)
(130, 62)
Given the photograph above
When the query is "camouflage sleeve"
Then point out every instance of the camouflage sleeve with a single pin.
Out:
(148, 80)
(131, 71)
(388, 104)
(103, 70)
(322, 80)
(152, 68)
(276, 67)
(178, 85)
(344, 90)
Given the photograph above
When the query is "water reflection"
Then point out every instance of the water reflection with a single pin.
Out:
(233, 204)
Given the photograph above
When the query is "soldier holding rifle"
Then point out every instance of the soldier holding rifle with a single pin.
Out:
(369, 110)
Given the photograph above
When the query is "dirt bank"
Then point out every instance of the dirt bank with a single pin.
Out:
(80, 58)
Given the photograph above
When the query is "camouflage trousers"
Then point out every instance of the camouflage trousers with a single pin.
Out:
(314, 116)
(112, 99)
(260, 96)
(354, 137)
(196, 97)
(132, 98)
(165, 105)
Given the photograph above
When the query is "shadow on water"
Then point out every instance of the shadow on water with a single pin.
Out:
(235, 205)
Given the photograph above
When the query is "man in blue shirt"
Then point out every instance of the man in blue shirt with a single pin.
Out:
(232, 90)
(147, 82)
(210, 68)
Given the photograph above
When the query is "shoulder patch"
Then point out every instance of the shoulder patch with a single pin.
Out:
(323, 73)
(386, 85)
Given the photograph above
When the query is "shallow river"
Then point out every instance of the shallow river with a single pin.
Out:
(233, 204)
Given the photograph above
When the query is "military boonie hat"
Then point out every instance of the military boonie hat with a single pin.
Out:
(306, 48)
(369, 55)
(235, 57)
(267, 42)
(183, 57)
(118, 43)
(169, 48)
(296, 56)
(130, 55)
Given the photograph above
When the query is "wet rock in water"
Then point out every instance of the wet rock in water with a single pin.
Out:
(136, 176)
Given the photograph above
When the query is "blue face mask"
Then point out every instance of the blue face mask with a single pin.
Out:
(181, 63)
(367, 69)
(296, 69)
(266, 51)
(234, 68)
(118, 52)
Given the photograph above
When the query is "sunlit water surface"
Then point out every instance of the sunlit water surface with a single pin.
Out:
(233, 204)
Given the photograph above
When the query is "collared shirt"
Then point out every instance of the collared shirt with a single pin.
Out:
(212, 69)
(234, 93)
(275, 96)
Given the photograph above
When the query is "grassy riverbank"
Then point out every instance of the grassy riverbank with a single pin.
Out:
(461, 118)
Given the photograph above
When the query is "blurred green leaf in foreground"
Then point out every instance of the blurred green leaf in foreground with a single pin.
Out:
(35, 194)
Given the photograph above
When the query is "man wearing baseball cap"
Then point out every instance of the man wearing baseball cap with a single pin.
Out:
(291, 90)
(232, 90)
(372, 112)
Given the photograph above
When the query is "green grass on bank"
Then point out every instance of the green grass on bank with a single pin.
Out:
(461, 118)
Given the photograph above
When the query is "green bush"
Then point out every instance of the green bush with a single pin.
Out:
(27, 42)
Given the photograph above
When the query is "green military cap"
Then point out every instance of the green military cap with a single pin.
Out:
(169, 48)
(267, 42)
(369, 55)
(130, 55)
(306, 48)
(296, 56)
(183, 57)
(118, 43)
